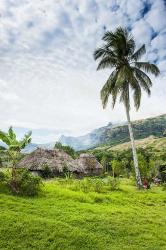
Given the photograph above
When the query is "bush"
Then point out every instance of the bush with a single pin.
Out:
(91, 184)
(2, 176)
(69, 150)
(85, 185)
(112, 183)
(26, 183)
(98, 185)
(46, 171)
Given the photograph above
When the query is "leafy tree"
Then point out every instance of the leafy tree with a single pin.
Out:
(13, 149)
(128, 74)
(117, 168)
(69, 150)
(58, 145)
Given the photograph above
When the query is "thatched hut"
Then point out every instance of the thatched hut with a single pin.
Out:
(58, 161)
(88, 165)
(55, 159)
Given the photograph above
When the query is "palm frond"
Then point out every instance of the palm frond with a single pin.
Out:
(139, 72)
(143, 81)
(100, 52)
(107, 89)
(130, 46)
(148, 67)
(137, 97)
(115, 92)
(125, 97)
(106, 62)
(121, 77)
(139, 53)
(108, 37)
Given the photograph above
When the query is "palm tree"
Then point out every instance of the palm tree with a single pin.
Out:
(128, 76)
(13, 149)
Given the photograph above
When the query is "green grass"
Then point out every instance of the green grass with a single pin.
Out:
(60, 218)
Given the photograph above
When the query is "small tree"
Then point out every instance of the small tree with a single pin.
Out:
(69, 150)
(13, 149)
(117, 168)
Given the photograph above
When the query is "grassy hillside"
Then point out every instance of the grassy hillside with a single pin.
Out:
(70, 220)
(152, 143)
(113, 135)
(142, 129)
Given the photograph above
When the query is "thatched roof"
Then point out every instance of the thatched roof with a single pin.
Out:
(57, 160)
(88, 162)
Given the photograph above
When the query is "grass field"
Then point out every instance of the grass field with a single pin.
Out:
(60, 218)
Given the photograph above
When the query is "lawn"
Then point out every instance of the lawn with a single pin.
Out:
(60, 218)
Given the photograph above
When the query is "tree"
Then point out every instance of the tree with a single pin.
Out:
(14, 147)
(128, 75)
(117, 168)
(69, 150)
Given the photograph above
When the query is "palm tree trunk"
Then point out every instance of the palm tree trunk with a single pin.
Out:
(137, 172)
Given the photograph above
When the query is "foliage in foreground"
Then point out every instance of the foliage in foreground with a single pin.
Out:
(26, 183)
(13, 150)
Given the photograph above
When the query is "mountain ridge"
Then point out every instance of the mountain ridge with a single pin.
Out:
(115, 134)
(109, 135)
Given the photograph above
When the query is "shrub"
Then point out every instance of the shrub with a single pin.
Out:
(112, 183)
(26, 183)
(2, 176)
(85, 185)
(98, 185)
(46, 173)
(69, 150)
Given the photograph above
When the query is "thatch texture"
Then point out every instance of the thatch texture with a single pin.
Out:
(58, 160)
(88, 164)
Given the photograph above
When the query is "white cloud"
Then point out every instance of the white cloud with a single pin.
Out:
(48, 75)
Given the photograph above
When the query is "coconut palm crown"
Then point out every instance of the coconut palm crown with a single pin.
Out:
(128, 75)
(118, 53)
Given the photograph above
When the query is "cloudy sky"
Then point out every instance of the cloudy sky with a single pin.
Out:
(48, 78)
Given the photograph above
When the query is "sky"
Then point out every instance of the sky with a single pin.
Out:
(48, 78)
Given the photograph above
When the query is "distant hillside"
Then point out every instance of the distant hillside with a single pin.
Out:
(153, 143)
(32, 146)
(85, 141)
(111, 135)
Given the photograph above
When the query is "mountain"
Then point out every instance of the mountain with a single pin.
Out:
(32, 146)
(115, 134)
(85, 141)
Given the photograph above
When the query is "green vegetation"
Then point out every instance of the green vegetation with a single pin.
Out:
(128, 73)
(141, 128)
(69, 150)
(13, 151)
(26, 183)
(120, 162)
(61, 218)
